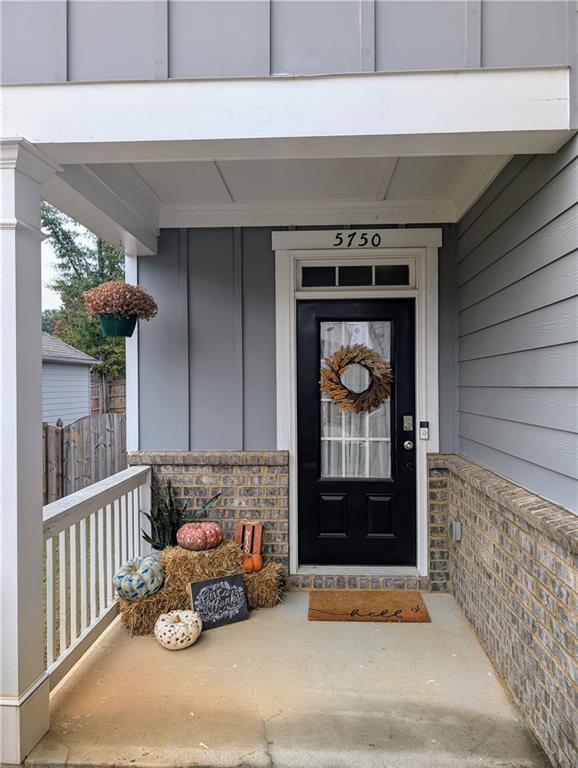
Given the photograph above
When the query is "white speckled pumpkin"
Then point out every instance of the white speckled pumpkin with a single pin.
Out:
(139, 577)
(197, 536)
(178, 629)
(213, 533)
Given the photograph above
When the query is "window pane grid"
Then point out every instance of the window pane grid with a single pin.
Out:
(354, 275)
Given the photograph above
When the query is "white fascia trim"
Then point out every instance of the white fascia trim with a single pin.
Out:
(313, 213)
(363, 104)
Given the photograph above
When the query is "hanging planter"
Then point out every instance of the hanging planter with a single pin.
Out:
(115, 325)
(118, 306)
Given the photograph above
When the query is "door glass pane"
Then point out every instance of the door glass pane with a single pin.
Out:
(331, 458)
(355, 463)
(379, 459)
(355, 444)
(331, 417)
(378, 421)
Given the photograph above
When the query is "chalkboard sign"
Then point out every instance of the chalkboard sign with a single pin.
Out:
(220, 601)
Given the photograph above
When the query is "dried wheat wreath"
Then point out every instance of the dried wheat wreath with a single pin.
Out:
(381, 378)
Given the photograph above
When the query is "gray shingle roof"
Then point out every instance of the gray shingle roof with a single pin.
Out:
(56, 349)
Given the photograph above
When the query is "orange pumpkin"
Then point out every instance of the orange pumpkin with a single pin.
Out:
(252, 563)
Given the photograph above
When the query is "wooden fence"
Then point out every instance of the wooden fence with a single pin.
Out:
(82, 453)
(107, 395)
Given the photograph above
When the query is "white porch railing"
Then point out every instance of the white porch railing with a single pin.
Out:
(88, 535)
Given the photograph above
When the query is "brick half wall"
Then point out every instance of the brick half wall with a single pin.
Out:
(254, 484)
(514, 575)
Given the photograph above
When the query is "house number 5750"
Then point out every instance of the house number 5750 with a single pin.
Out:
(356, 239)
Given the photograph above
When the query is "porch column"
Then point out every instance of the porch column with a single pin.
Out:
(23, 682)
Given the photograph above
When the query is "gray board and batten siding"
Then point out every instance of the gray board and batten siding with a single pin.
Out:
(63, 40)
(517, 287)
(207, 378)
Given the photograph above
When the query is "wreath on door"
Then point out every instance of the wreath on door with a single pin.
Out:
(380, 379)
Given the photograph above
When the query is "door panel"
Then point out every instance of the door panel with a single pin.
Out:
(356, 481)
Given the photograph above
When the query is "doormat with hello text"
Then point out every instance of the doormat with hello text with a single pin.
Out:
(367, 605)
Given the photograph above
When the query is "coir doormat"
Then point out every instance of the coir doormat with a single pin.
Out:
(366, 605)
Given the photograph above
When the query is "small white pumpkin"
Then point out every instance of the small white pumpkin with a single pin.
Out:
(178, 629)
(139, 577)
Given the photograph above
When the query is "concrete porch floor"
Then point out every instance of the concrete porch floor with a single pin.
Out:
(280, 691)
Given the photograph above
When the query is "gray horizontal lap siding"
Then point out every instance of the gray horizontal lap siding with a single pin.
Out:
(152, 39)
(65, 392)
(207, 378)
(517, 277)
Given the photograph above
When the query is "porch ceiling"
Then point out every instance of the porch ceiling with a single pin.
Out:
(145, 196)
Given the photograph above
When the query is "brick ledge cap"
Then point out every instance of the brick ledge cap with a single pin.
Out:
(210, 458)
(555, 521)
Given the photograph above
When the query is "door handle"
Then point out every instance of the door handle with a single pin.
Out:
(408, 445)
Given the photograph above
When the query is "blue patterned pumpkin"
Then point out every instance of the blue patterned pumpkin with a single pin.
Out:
(139, 577)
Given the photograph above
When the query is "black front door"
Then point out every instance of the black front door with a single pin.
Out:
(356, 471)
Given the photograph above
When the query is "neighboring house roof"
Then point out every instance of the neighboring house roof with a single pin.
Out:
(57, 351)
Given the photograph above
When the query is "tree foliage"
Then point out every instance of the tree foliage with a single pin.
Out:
(83, 261)
(49, 317)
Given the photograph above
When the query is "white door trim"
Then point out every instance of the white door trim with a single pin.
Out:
(293, 247)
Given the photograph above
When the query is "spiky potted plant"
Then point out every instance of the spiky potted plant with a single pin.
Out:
(169, 514)
(119, 305)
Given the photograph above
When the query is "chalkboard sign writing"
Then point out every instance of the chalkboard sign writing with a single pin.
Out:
(220, 601)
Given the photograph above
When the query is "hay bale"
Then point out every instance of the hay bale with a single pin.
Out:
(139, 617)
(181, 567)
(265, 587)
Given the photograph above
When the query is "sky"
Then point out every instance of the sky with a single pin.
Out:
(50, 299)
